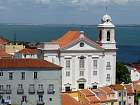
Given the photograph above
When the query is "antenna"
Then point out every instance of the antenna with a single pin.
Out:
(106, 8)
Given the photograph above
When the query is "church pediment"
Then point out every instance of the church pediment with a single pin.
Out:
(83, 44)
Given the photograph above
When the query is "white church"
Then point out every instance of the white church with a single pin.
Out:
(86, 63)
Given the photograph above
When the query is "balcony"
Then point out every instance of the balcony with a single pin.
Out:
(31, 90)
(40, 102)
(40, 91)
(8, 91)
(20, 91)
(2, 91)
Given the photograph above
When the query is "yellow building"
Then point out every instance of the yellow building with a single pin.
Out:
(13, 48)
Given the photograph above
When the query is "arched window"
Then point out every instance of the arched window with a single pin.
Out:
(108, 35)
(100, 35)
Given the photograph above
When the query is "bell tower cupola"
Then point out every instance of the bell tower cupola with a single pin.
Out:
(106, 31)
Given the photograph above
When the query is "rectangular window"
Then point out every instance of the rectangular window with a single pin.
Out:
(1, 73)
(108, 77)
(40, 86)
(51, 89)
(35, 75)
(67, 73)
(95, 64)
(8, 87)
(20, 86)
(68, 63)
(94, 72)
(108, 66)
(1, 87)
(81, 73)
(23, 75)
(119, 94)
(82, 63)
(10, 76)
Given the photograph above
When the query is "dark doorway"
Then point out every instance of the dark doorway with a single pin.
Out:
(81, 86)
(67, 89)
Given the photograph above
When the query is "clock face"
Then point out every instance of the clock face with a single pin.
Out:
(81, 44)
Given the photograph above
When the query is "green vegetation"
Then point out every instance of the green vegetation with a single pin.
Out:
(137, 98)
(122, 74)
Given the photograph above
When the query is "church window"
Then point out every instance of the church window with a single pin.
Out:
(81, 73)
(100, 35)
(94, 72)
(108, 35)
(95, 64)
(108, 66)
(81, 44)
(82, 62)
(67, 73)
(67, 63)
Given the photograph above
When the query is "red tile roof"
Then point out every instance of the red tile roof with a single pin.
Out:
(72, 37)
(107, 90)
(26, 63)
(28, 51)
(3, 41)
(87, 92)
(68, 38)
(68, 100)
(4, 55)
(100, 94)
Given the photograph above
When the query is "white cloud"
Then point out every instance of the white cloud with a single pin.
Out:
(42, 1)
(83, 2)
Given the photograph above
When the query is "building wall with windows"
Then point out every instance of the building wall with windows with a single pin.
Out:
(33, 85)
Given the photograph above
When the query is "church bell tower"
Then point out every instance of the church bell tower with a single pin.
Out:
(106, 30)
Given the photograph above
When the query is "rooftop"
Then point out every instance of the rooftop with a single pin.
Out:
(68, 100)
(26, 63)
(28, 51)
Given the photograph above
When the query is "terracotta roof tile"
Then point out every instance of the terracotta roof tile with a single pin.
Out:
(68, 100)
(90, 96)
(3, 41)
(68, 37)
(28, 51)
(4, 55)
(100, 94)
(87, 92)
(107, 89)
(26, 63)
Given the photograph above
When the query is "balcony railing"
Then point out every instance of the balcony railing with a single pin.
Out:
(51, 91)
(40, 91)
(108, 79)
(40, 102)
(31, 90)
(8, 91)
(20, 91)
(2, 91)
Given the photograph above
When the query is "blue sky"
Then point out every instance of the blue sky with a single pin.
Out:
(68, 11)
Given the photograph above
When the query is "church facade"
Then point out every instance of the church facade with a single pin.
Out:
(86, 64)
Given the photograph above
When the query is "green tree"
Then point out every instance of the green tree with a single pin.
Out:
(122, 73)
